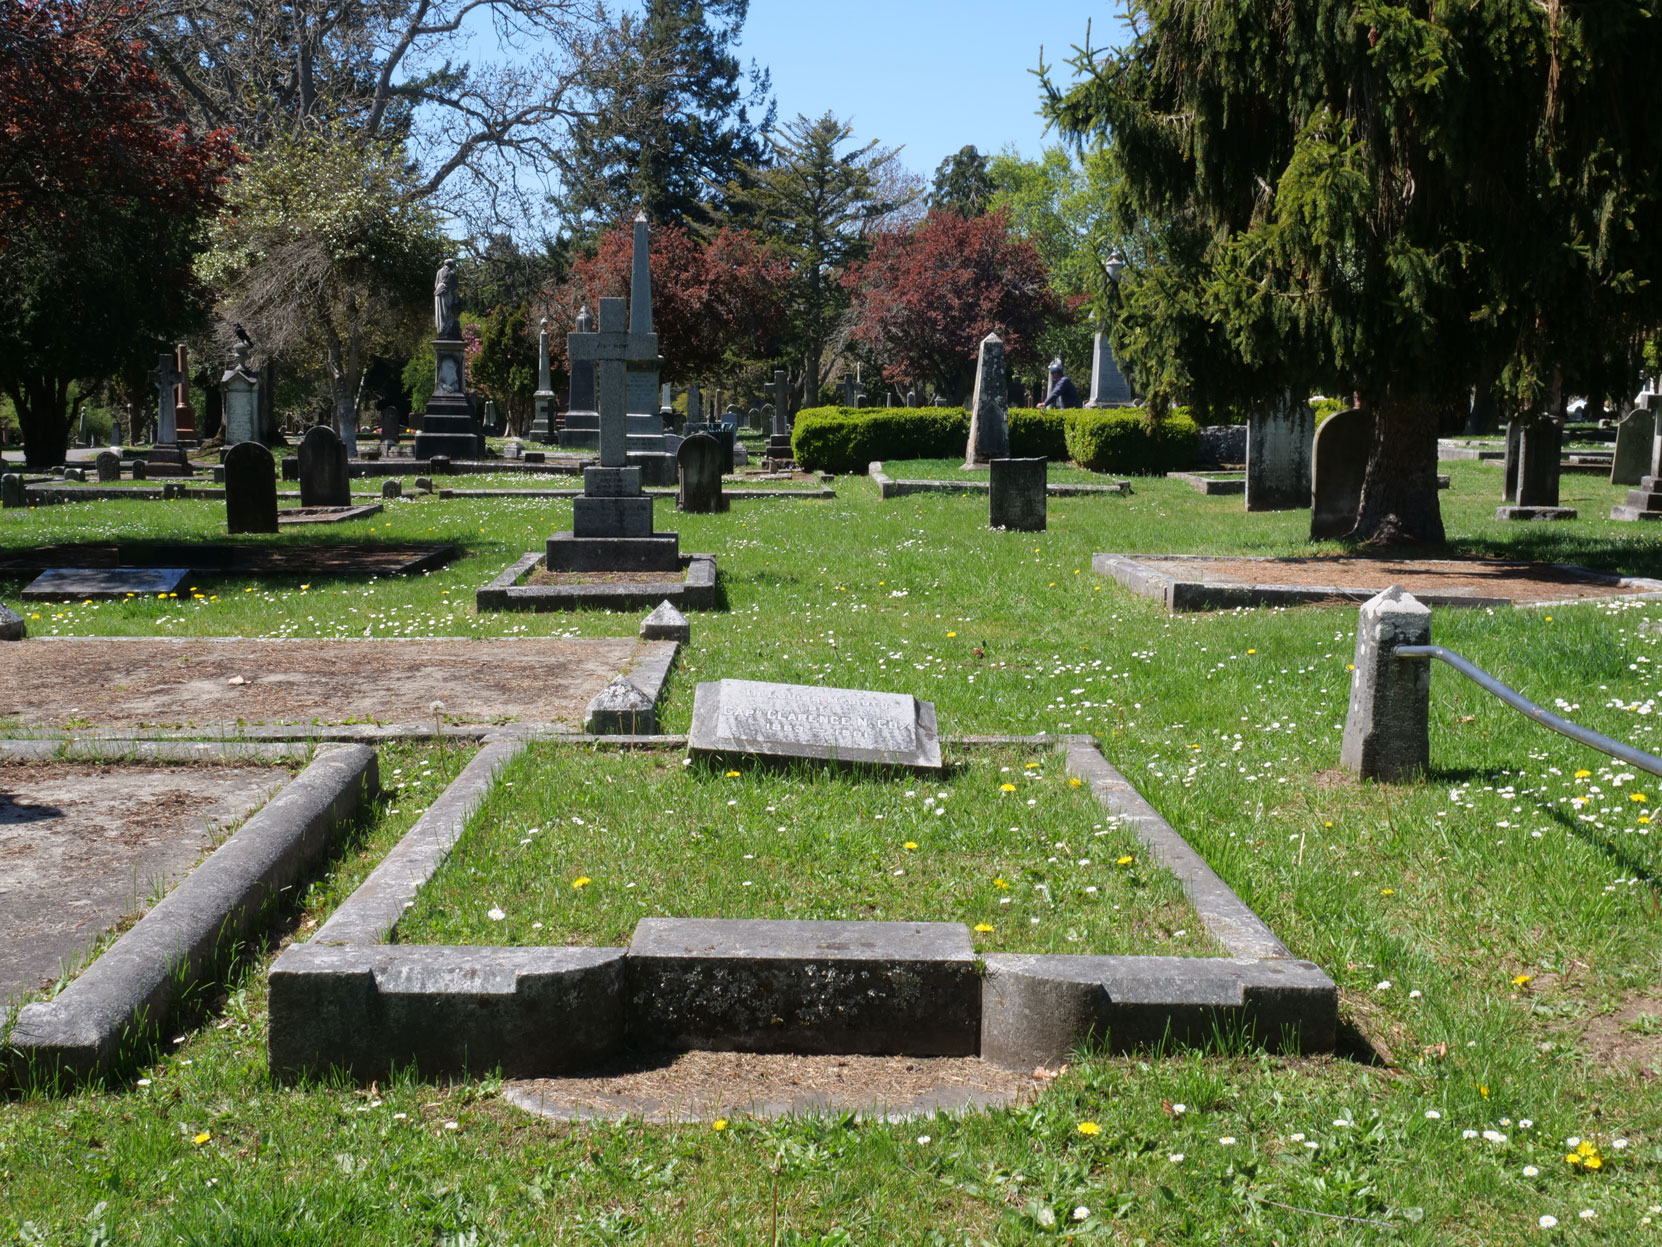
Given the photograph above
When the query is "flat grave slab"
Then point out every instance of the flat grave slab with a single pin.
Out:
(77, 584)
(528, 585)
(748, 717)
(1203, 582)
(84, 846)
(326, 515)
(179, 682)
(265, 557)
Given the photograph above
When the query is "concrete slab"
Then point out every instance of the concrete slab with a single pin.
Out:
(84, 846)
(779, 986)
(695, 591)
(77, 584)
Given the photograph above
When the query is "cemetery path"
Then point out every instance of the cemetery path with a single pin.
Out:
(82, 846)
(222, 683)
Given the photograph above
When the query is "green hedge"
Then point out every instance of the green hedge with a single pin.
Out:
(1118, 439)
(846, 439)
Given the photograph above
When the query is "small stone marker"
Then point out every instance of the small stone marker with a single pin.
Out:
(1633, 441)
(1338, 466)
(13, 493)
(1016, 498)
(700, 460)
(12, 625)
(1539, 446)
(392, 488)
(325, 479)
(108, 464)
(250, 489)
(424, 483)
(989, 434)
(76, 584)
(1279, 441)
(621, 709)
(665, 623)
(141, 470)
(802, 721)
(1387, 729)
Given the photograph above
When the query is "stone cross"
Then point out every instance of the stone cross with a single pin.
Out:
(781, 401)
(166, 377)
(611, 350)
(542, 356)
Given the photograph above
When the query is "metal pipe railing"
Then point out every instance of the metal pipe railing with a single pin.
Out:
(1582, 735)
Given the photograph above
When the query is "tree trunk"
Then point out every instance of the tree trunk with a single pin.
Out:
(810, 374)
(42, 404)
(1399, 490)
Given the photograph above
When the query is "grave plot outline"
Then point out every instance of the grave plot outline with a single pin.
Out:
(350, 1000)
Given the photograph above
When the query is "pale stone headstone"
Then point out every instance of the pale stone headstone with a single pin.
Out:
(325, 478)
(746, 717)
(250, 489)
(165, 377)
(1340, 462)
(1387, 729)
(700, 461)
(108, 464)
(1016, 496)
(1108, 385)
(1279, 440)
(1633, 444)
(240, 390)
(989, 433)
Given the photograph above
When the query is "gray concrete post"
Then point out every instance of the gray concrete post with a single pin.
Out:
(1387, 729)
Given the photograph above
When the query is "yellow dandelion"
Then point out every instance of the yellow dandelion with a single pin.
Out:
(1088, 1128)
(951, 634)
(1595, 1161)
(582, 881)
(1583, 774)
(984, 927)
(1484, 1092)
(1387, 891)
(202, 1138)
(1637, 796)
(910, 845)
(719, 1124)
(732, 774)
(1006, 787)
(1252, 651)
(1521, 980)
(1125, 861)
(1000, 882)
(1572, 1159)
(1076, 782)
(1032, 766)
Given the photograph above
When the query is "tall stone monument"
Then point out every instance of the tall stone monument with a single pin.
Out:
(643, 397)
(165, 377)
(611, 523)
(240, 386)
(989, 434)
(1280, 439)
(582, 431)
(542, 423)
(184, 415)
(1108, 384)
(448, 426)
(779, 455)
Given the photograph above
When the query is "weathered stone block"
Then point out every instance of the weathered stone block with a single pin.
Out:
(1017, 498)
(611, 517)
(666, 623)
(621, 709)
(1387, 729)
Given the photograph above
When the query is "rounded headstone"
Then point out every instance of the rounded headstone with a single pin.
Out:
(250, 489)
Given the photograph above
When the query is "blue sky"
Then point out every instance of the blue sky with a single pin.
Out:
(931, 75)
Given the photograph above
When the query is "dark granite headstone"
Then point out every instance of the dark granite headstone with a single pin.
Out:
(746, 717)
(699, 460)
(1338, 465)
(1016, 499)
(325, 480)
(250, 489)
(108, 464)
(12, 491)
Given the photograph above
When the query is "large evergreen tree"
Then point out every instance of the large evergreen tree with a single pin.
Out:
(671, 123)
(962, 184)
(1397, 198)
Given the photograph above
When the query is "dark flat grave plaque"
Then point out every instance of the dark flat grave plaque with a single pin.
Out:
(734, 717)
(76, 584)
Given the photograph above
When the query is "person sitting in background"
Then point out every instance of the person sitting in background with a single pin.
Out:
(1063, 392)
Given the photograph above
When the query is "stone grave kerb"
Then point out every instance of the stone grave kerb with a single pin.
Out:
(611, 349)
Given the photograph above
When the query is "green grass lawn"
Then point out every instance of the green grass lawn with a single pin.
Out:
(1495, 929)
(575, 847)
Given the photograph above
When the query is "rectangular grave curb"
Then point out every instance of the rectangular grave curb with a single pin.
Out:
(328, 515)
(1210, 485)
(126, 993)
(696, 592)
(127, 748)
(743, 495)
(333, 1006)
(888, 487)
(1197, 595)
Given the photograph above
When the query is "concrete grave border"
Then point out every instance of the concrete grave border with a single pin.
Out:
(505, 593)
(1211, 484)
(743, 495)
(127, 992)
(888, 487)
(348, 1000)
(1203, 595)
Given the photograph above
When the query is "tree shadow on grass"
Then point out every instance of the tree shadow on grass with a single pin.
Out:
(1608, 846)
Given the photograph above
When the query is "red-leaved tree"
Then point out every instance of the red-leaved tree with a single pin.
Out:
(104, 193)
(926, 297)
(714, 305)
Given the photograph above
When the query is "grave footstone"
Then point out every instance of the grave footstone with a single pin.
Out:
(250, 489)
(620, 709)
(665, 623)
(748, 718)
(1279, 440)
(1339, 464)
(76, 584)
(325, 477)
(1633, 440)
(12, 625)
(1016, 494)
(108, 465)
(989, 432)
(700, 461)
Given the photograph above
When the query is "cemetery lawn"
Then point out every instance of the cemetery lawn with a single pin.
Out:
(586, 843)
(1493, 928)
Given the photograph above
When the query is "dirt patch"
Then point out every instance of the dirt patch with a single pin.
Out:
(1488, 578)
(224, 682)
(1631, 1036)
(706, 1086)
(82, 847)
(546, 577)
